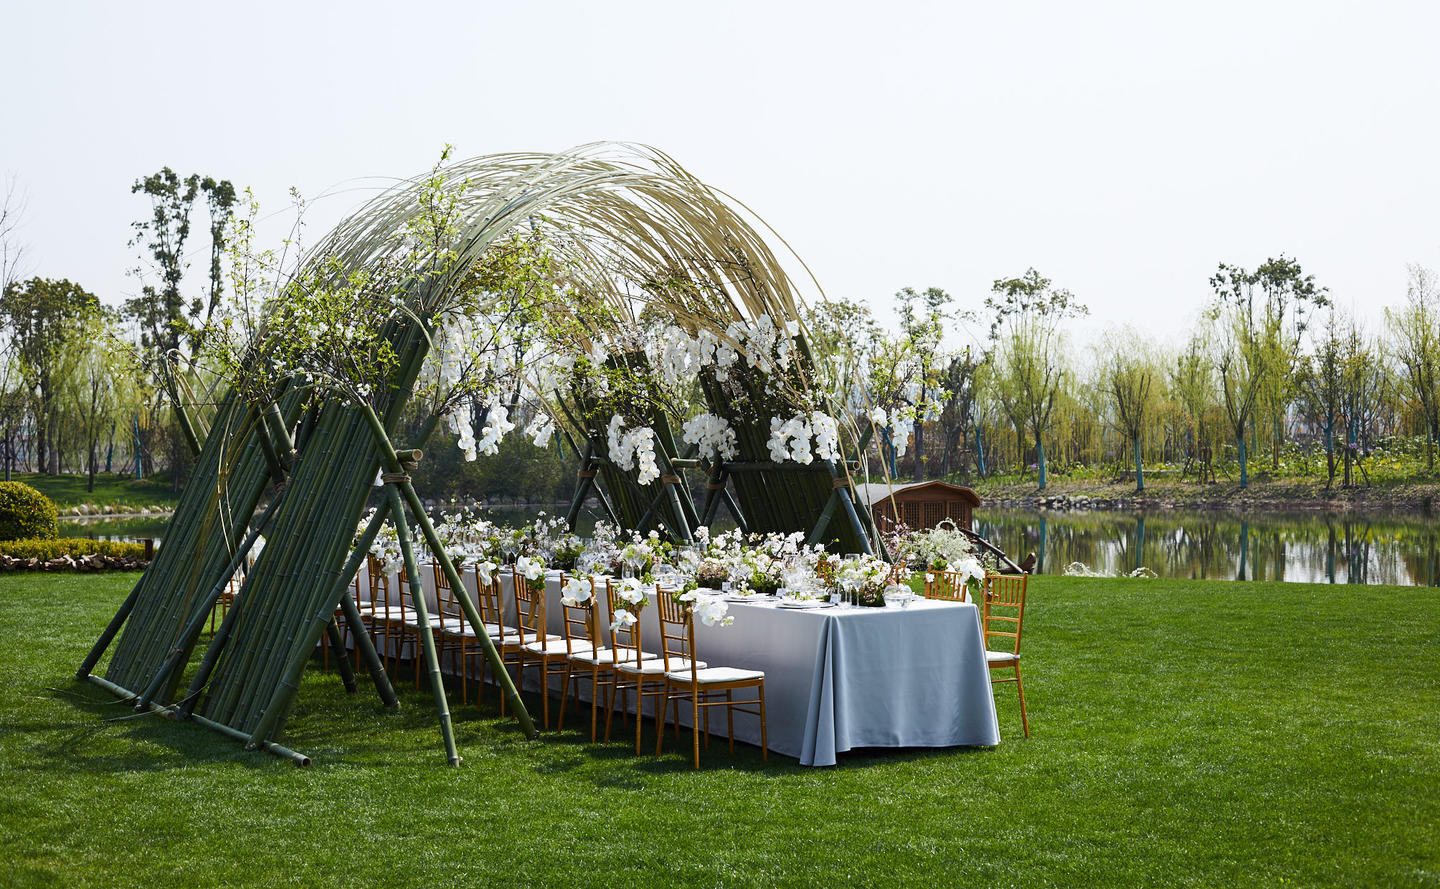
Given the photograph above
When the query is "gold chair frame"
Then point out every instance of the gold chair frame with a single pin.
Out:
(681, 646)
(1005, 605)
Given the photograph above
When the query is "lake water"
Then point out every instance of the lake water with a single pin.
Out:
(1382, 548)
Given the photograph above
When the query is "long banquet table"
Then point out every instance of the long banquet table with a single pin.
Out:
(839, 678)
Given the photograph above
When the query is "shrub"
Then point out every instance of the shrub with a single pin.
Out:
(74, 547)
(25, 513)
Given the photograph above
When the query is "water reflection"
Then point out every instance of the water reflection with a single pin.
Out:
(1382, 548)
(1305, 547)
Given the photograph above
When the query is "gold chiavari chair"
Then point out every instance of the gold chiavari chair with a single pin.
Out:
(1003, 615)
(454, 633)
(505, 635)
(946, 585)
(598, 661)
(410, 623)
(635, 670)
(688, 679)
(549, 653)
(385, 613)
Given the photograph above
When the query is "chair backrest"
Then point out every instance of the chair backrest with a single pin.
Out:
(677, 630)
(579, 619)
(946, 585)
(448, 617)
(529, 609)
(380, 586)
(492, 604)
(624, 640)
(1004, 609)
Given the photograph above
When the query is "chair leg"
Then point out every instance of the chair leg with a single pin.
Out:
(1020, 689)
(660, 720)
(565, 697)
(610, 707)
(640, 713)
(730, 718)
(544, 694)
(594, 701)
(695, 722)
(764, 742)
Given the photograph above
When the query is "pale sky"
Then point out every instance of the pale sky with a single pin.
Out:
(1123, 149)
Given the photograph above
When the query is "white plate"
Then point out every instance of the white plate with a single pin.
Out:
(817, 603)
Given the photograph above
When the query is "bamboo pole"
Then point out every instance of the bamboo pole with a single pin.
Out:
(299, 759)
(266, 621)
(181, 650)
(294, 617)
(366, 646)
(97, 650)
(342, 660)
(422, 617)
(457, 585)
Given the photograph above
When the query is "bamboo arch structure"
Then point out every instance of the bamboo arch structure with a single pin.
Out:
(622, 214)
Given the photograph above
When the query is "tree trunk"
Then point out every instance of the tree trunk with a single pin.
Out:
(979, 452)
(1279, 443)
(1040, 460)
(1330, 455)
(1244, 468)
(919, 450)
(1139, 467)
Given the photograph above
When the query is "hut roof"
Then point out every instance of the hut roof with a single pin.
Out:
(874, 493)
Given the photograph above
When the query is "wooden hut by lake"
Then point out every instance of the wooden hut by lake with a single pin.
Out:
(919, 505)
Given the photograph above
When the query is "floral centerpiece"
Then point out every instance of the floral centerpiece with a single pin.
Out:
(866, 581)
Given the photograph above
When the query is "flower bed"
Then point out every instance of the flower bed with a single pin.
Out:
(71, 554)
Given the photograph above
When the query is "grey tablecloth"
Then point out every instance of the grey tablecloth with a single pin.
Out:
(838, 679)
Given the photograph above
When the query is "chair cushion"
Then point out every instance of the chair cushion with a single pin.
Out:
(385, 612)
(556, 645)
(463, 628)
(606, 656)
(705, 674)
(656, 667)
(1000, 657)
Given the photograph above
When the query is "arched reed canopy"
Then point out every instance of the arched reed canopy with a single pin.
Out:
(588, 285)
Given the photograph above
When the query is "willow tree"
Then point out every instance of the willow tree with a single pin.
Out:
(1029, 352)
(1129, 373)
(1291, 298)
(1192, 386)
(1416, 332)
(1246, 355)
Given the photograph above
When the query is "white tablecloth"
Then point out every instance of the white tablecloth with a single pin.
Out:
(837, 679)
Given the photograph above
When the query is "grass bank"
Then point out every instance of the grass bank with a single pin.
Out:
(1265, 492)
(111, 489)
(1183, 734)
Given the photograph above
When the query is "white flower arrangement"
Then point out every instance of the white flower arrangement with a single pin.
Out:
(633, 448)
(712, 435)
(712, 611)
(577, 591)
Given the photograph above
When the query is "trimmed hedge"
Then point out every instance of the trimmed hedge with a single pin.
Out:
(25, 513)
(74, 547)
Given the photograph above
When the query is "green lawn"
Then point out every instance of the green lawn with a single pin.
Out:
(1183, 734)
(110, 488)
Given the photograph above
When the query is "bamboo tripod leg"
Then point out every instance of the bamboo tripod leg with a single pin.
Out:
(365, 650)
(422, 617)
(342, 661)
